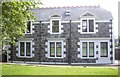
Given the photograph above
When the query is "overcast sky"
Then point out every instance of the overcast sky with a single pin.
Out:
(110, 5)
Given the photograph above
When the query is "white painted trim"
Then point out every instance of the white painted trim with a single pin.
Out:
(55, 48)
(113, 43)
(46, 55)
(33, 31)
(64, 43)
(64, 55)
(33, 55)
(82, 16)
(110, 30)
(45, 22)
(78, 55)
(48, 31)
(96, 30)
(17, 54)
(102, 21)
(25, 49)
(78, 49)
(79, 26)
(81, 41)
(17, 49)
(48, 26)
(64, 49)
(62, 31)
(59, 26)
(46, 49)
(96, 42)
(33, 43)
(46, 43)
(96, 25)
(110, 25)
(79, 30)
(108, 48)
(88, 26)
(33, 49)
(78, 43)
(75, 21)
(31, 27)
(110, 35)
(94, 38)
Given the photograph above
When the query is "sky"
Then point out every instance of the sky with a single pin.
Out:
(110, 5)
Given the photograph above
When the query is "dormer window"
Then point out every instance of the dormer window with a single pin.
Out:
(87, 25)
(55, 25)
(29, 27)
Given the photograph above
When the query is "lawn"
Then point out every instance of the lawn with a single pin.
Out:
(16, 69)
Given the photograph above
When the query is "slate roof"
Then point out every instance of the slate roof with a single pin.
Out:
(44, 14)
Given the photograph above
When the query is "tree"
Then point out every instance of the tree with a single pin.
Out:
(14, 17)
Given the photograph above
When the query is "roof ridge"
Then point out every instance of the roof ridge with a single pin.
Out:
(90, 6)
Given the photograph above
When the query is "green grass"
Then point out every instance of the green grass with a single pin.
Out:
(15, 69)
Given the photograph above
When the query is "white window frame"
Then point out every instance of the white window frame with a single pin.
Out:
(81, 41)
(107, 51)
(55, 49)
(25, 56)
(88, 25)
(96, 41)
(30, 27)
(55, 19)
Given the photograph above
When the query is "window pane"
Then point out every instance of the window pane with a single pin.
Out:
(91, 26)
(55, 26)
(58, 49)
(28, 26)
(104, 49)
(28, 48)
(84, 49)
(84, 25)
(91, 49)
(22, 45)
(52, 49)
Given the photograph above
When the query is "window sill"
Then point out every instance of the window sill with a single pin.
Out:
(27, 33)
(88, 32)
(88, 57)
(56, 57)
(25, 57)
(55, 33)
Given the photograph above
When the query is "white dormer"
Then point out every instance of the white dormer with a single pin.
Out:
(88, 25)
(55, 24)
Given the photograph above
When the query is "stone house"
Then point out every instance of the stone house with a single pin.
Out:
(67, 35)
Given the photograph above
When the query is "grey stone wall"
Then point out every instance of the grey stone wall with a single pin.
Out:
(41, 35)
